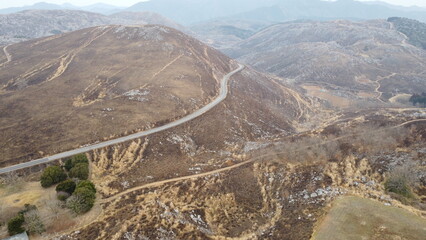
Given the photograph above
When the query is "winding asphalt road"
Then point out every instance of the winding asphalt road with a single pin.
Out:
(222, 95)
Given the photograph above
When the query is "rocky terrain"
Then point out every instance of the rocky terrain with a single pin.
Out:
(30, 24)
(264, 190)
(339, 61)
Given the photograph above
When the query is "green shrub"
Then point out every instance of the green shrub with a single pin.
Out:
(70, 163)
(80, 171)
(81, 201)
(87, 184)
(66, 186)
(62, 196)
(52, 175)
(80, 158)
(14, 225)
(398, 186)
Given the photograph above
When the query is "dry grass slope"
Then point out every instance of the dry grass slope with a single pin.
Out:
(79, 88)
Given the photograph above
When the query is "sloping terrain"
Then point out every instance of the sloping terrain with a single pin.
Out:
(355, 218)
(414, 30)
(30, 24)
(339, 60)
(142, 76)
(222, 34)
(203, 193)
(63, 103)
(69, 90)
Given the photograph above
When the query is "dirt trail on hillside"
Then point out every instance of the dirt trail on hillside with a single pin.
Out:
(379, 94)
(67, 59)
(8, 56)
(64, 61)
(218, 171)
(166, 66)
(405, 43)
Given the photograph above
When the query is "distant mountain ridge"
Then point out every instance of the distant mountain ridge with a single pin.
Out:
(189, 12)
(96, 8)
(30, 24)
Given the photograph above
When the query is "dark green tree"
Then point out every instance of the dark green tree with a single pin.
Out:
(87, 184)
(52, 175)
(80, 158)
(418, 98)
(71, 162)
(81, 201)
(14, 225)
(80, 171)
(68, 164)
(67, 186)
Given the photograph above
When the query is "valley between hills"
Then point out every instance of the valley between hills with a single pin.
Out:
(301, 131)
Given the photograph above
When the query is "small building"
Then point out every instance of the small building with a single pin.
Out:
(22, 236)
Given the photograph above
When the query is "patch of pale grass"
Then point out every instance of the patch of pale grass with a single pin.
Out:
(360, 218)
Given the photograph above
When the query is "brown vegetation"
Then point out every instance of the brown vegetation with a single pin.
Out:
(170, 75)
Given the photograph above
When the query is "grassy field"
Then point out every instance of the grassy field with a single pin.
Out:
(360, 218)
(55, 218)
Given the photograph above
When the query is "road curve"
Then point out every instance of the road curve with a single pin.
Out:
(222, 95)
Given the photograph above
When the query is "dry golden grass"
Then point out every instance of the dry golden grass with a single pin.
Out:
(360, 218)
(334, 100)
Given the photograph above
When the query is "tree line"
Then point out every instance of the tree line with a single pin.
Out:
(419, 98)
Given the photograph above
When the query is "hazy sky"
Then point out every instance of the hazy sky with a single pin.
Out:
(15, 3)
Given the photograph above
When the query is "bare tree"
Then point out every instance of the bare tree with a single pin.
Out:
(33, 222)
(54, 207)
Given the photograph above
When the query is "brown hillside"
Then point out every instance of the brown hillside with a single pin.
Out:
(69, 90)
(339, 61)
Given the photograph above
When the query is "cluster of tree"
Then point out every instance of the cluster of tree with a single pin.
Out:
(28, 220)
(83, 198)
(418, 98)
(73, 188)
(75, 167)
